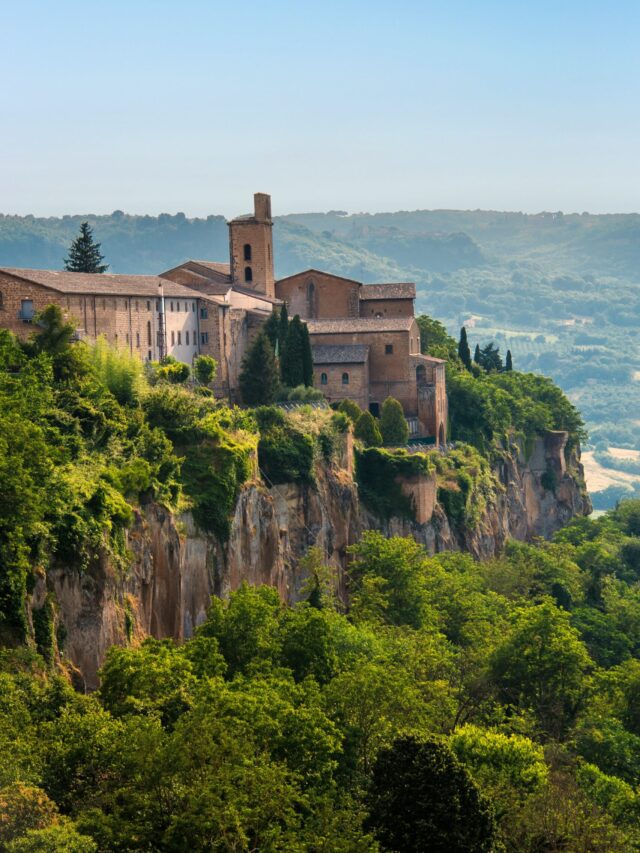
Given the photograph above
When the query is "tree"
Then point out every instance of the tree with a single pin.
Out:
(509, 362)
(307, 357)
(393, 426)
(272, 329)
(283, 328)
(84, 253)
(351, 409)
(205, 368)
(366, 429)
(489, 357)
(434, 338)
(464, 352)
(292, 358)
(543, 666)
(444, 813)
(259, 382)
(56, 333)
(476, 354)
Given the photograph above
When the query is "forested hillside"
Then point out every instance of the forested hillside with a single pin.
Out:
(559, 291)
(503, 694)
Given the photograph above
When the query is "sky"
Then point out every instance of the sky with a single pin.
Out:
(152, 106)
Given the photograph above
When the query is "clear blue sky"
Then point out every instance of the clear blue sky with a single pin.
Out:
(151, 105)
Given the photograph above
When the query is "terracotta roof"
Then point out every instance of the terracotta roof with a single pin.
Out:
(224, 269)
(427, 359)
(393, 290)
(319, 272)
(340, 354)
(360, 324)
(101, 284)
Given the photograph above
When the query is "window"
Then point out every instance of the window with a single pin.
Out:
(179, 338)
(323, 379)
(204, 337)
(187, 335)
(126, 304)
(27, 310)
(149, 355)
(127, 337)
(172, 306)
(345, 378)
(1, 301)
(186, 306)
(157, 304)
(148, 305)
(149, 333)
(247, 251)
(248, 275)
(104, 304)
(193, 306)
(138, 339)
(137, 305)
(204, 313)
(173, 339)
(388, 349)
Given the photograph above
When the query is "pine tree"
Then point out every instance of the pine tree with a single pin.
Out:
(509, 362)
(307, 357)
(464, 352)
(284, 326)
(476, 355)
(489, 357)
(272, 329)
(393, 426)
(84, 253)
(367, 431)
(292, 356)
(259, 380)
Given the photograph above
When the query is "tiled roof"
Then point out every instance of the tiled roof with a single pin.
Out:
(311, 272)
(223, 269)
(393, 290)
(101, 284)
(360, 324)
(340, 354)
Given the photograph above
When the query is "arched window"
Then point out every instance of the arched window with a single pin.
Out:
(311, 299)
(345, 378)
(323, 379)
(248, 275)
(247, 251)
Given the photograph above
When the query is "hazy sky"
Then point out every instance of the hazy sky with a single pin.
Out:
(151, 105)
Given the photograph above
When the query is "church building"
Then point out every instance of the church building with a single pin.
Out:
(365, 338)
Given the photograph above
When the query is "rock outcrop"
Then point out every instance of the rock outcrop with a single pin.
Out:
(175, 568)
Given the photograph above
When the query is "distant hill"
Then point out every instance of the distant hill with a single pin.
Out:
(562, 291)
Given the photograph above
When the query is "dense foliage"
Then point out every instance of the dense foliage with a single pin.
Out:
(506, 691)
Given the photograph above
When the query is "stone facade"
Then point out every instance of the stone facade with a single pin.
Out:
(251, 248)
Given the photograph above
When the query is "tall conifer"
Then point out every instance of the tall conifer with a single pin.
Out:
(463, 349)
(509, 361)
(476, 355)
(259, 381)
(292, 356)
(307, 357)
(84, 253)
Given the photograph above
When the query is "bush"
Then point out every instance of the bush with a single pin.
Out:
(176, 372)
(377, 472)
(351, 409)
(205, 369)
(367, 431)
(303, 394)
(393, 426)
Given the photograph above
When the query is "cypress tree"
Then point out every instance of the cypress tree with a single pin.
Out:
(464, 352)
(476, 355)
(259, 380)
(366, 429)
(393, 426)
(284, 326)
(272, 329)
(509, 361)
(292, 357)
(307, 357)
(84, 253)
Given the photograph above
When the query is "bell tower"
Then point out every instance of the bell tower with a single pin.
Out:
(251, 248)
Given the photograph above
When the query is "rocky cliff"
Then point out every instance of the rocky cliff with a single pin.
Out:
(175, 568)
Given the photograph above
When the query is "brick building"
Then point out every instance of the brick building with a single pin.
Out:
(365, 339)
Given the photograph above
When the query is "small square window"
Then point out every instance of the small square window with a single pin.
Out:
(388, 349)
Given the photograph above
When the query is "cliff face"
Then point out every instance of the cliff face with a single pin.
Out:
(175, 568)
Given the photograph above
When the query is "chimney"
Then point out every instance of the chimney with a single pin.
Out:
(262, 207)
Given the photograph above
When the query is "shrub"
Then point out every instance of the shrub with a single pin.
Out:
(205, 368)
(351, 409)
(367, 430)
(393, 426)
(377, 471)
(304, 394)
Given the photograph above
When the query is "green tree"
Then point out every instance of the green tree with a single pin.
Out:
(464, 353)
(60, 837)
(259, 382)
(292, 358)
(366, 429)
(307, 357)
(283, 328)
(272, 329)
(489, 357)
(205, 368)
(393, 425)
(351, 409)
(476, 354)
(84, 253)
(544, 667)
(509, 361)
(56, 334)
(434, 338)
(445, 812)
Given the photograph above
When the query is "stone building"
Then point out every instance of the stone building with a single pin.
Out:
(365, 339)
